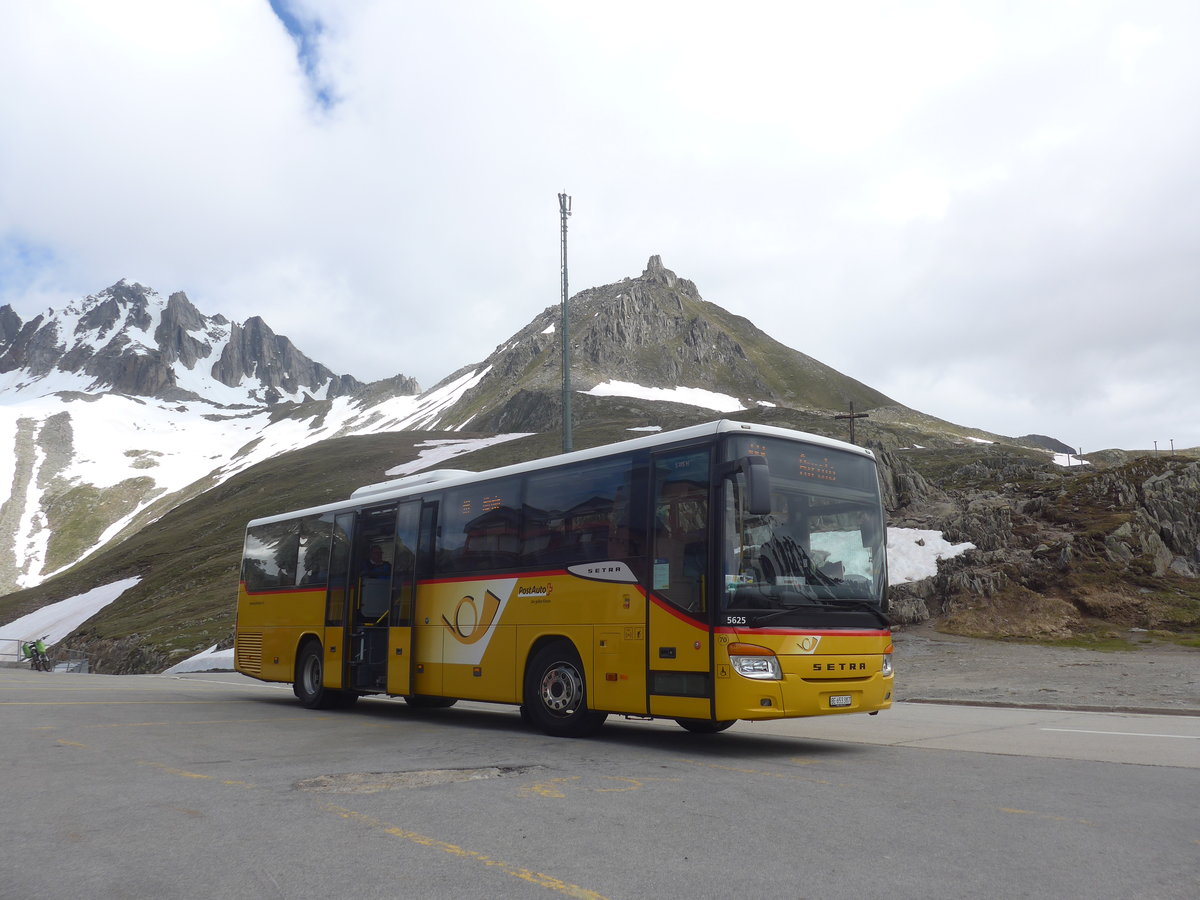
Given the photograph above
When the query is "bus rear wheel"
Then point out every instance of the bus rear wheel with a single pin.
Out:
(556, 693)
(705, 726)
(309, 685)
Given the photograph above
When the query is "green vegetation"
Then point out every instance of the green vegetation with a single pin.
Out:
(188, 559)
(1106, 642)
(78, 517)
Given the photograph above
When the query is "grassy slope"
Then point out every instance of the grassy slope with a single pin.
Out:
(188, 560)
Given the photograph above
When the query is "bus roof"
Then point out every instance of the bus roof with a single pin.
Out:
(419, 482)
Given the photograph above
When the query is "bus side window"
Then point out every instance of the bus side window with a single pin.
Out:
(681, 529)
(339, 565)
(270, 556)
(577, 514)
(404, 569)
(313, 563)
(479, 528)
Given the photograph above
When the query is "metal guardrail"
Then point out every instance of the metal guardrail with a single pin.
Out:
(62, 659)
(70, 661)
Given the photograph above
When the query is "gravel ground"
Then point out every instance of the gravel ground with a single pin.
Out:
(942, 668)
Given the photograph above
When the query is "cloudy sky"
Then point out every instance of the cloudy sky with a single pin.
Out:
(989, 211)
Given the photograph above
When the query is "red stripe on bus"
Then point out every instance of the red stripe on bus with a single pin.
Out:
(830, 632)
(499, 576)
(676, 611)
(302, 589)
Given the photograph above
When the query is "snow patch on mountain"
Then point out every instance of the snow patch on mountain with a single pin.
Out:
(913, 553)
(55, 621)
(691, 396)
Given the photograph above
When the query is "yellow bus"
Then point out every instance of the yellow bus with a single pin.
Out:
(721, 572)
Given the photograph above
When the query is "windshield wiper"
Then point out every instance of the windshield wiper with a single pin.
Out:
(774, 614)
(865, 605)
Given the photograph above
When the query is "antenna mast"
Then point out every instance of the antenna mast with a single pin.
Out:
(564, 209)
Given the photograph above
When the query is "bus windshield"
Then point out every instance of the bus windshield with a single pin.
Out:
(817, 559)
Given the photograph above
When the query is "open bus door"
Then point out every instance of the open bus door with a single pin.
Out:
(680, 637)
(403, 598)
(378, 573)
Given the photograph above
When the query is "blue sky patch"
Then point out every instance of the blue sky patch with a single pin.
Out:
(22, 262)
(306, 33)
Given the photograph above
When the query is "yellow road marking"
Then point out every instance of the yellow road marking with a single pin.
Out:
(631, 784)
(538, 878)
(549, 788)
(1048, 816)
(172, 771)
(554, 787)
(72, 744)
(184, 773)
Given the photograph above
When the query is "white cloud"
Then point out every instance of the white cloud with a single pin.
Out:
(990, 200)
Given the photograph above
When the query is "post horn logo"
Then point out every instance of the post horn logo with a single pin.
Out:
(808, 643)
(470, 624)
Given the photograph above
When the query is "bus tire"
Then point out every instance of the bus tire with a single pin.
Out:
(310, 676)
(705, 726)
(424, 701)
(556, 693)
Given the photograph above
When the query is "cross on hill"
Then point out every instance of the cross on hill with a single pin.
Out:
(852, 415)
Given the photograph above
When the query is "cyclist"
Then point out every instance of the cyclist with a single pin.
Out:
(35, 652)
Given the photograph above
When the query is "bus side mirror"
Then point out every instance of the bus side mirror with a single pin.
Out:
(758, 485)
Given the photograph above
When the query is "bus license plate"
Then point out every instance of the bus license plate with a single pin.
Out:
(841, 700)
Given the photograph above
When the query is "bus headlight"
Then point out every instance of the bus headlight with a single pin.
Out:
(752, 661)
(887, 665)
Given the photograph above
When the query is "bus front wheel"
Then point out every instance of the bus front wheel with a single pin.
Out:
(556, 693)
(309, 685)
(705, 726)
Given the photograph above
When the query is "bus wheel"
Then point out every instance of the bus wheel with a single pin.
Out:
(309, 684)
(424, 701)
(556, 694)
(705, 726)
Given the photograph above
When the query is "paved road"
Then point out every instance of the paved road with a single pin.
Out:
(219, 786)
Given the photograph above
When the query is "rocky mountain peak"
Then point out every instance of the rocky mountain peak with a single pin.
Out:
(175, 332)
(655, 271)
(654, 331)
(127, 339)
(254, 351)
(10, 325)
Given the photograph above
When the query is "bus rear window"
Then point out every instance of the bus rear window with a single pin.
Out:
(286, 554)
(270, 556)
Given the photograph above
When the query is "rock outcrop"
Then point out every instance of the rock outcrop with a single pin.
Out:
(254, 351)
(127, 340)
(655, 331)
(1055, 548)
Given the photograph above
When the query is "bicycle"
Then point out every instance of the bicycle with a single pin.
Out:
(35, 652)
